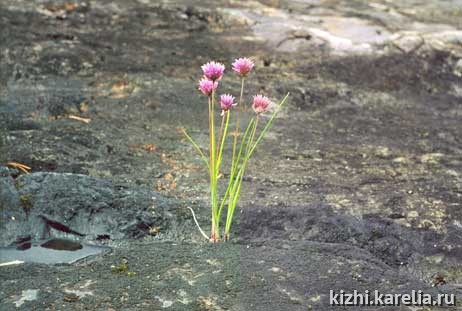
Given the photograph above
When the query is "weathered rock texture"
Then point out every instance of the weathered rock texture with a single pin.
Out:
(43, 205)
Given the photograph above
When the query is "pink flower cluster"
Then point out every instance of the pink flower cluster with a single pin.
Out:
(243, 66)
(213, 72)
(227, 101)
(207, 86)
(260, 103)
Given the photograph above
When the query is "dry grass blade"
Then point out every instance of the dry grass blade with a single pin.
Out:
(85, 120)
(10, 263)
(22, 167)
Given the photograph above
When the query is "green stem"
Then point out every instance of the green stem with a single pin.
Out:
(268, 124)
(235, 192)
(220, 133)
(212, 168)
(250, 148)
(196, 147)
(236, 131)
(232, 179)
(222, 138)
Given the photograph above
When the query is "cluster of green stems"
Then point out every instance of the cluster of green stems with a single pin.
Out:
(242, 149)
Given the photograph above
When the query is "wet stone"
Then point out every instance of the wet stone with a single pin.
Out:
(62, 245)
(54, 251)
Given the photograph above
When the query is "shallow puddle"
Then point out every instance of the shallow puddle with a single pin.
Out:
(54, 251)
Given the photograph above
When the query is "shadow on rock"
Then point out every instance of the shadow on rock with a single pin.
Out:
(395, 245)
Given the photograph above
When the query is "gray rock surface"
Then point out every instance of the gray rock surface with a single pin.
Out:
(274, 275)
(44, 205)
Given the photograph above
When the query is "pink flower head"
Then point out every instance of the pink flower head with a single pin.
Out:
(243, 66)
(226, 101)
(213, 70)
(260, 103)
(206, 86)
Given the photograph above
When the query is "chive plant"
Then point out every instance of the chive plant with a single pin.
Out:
(243, 144)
